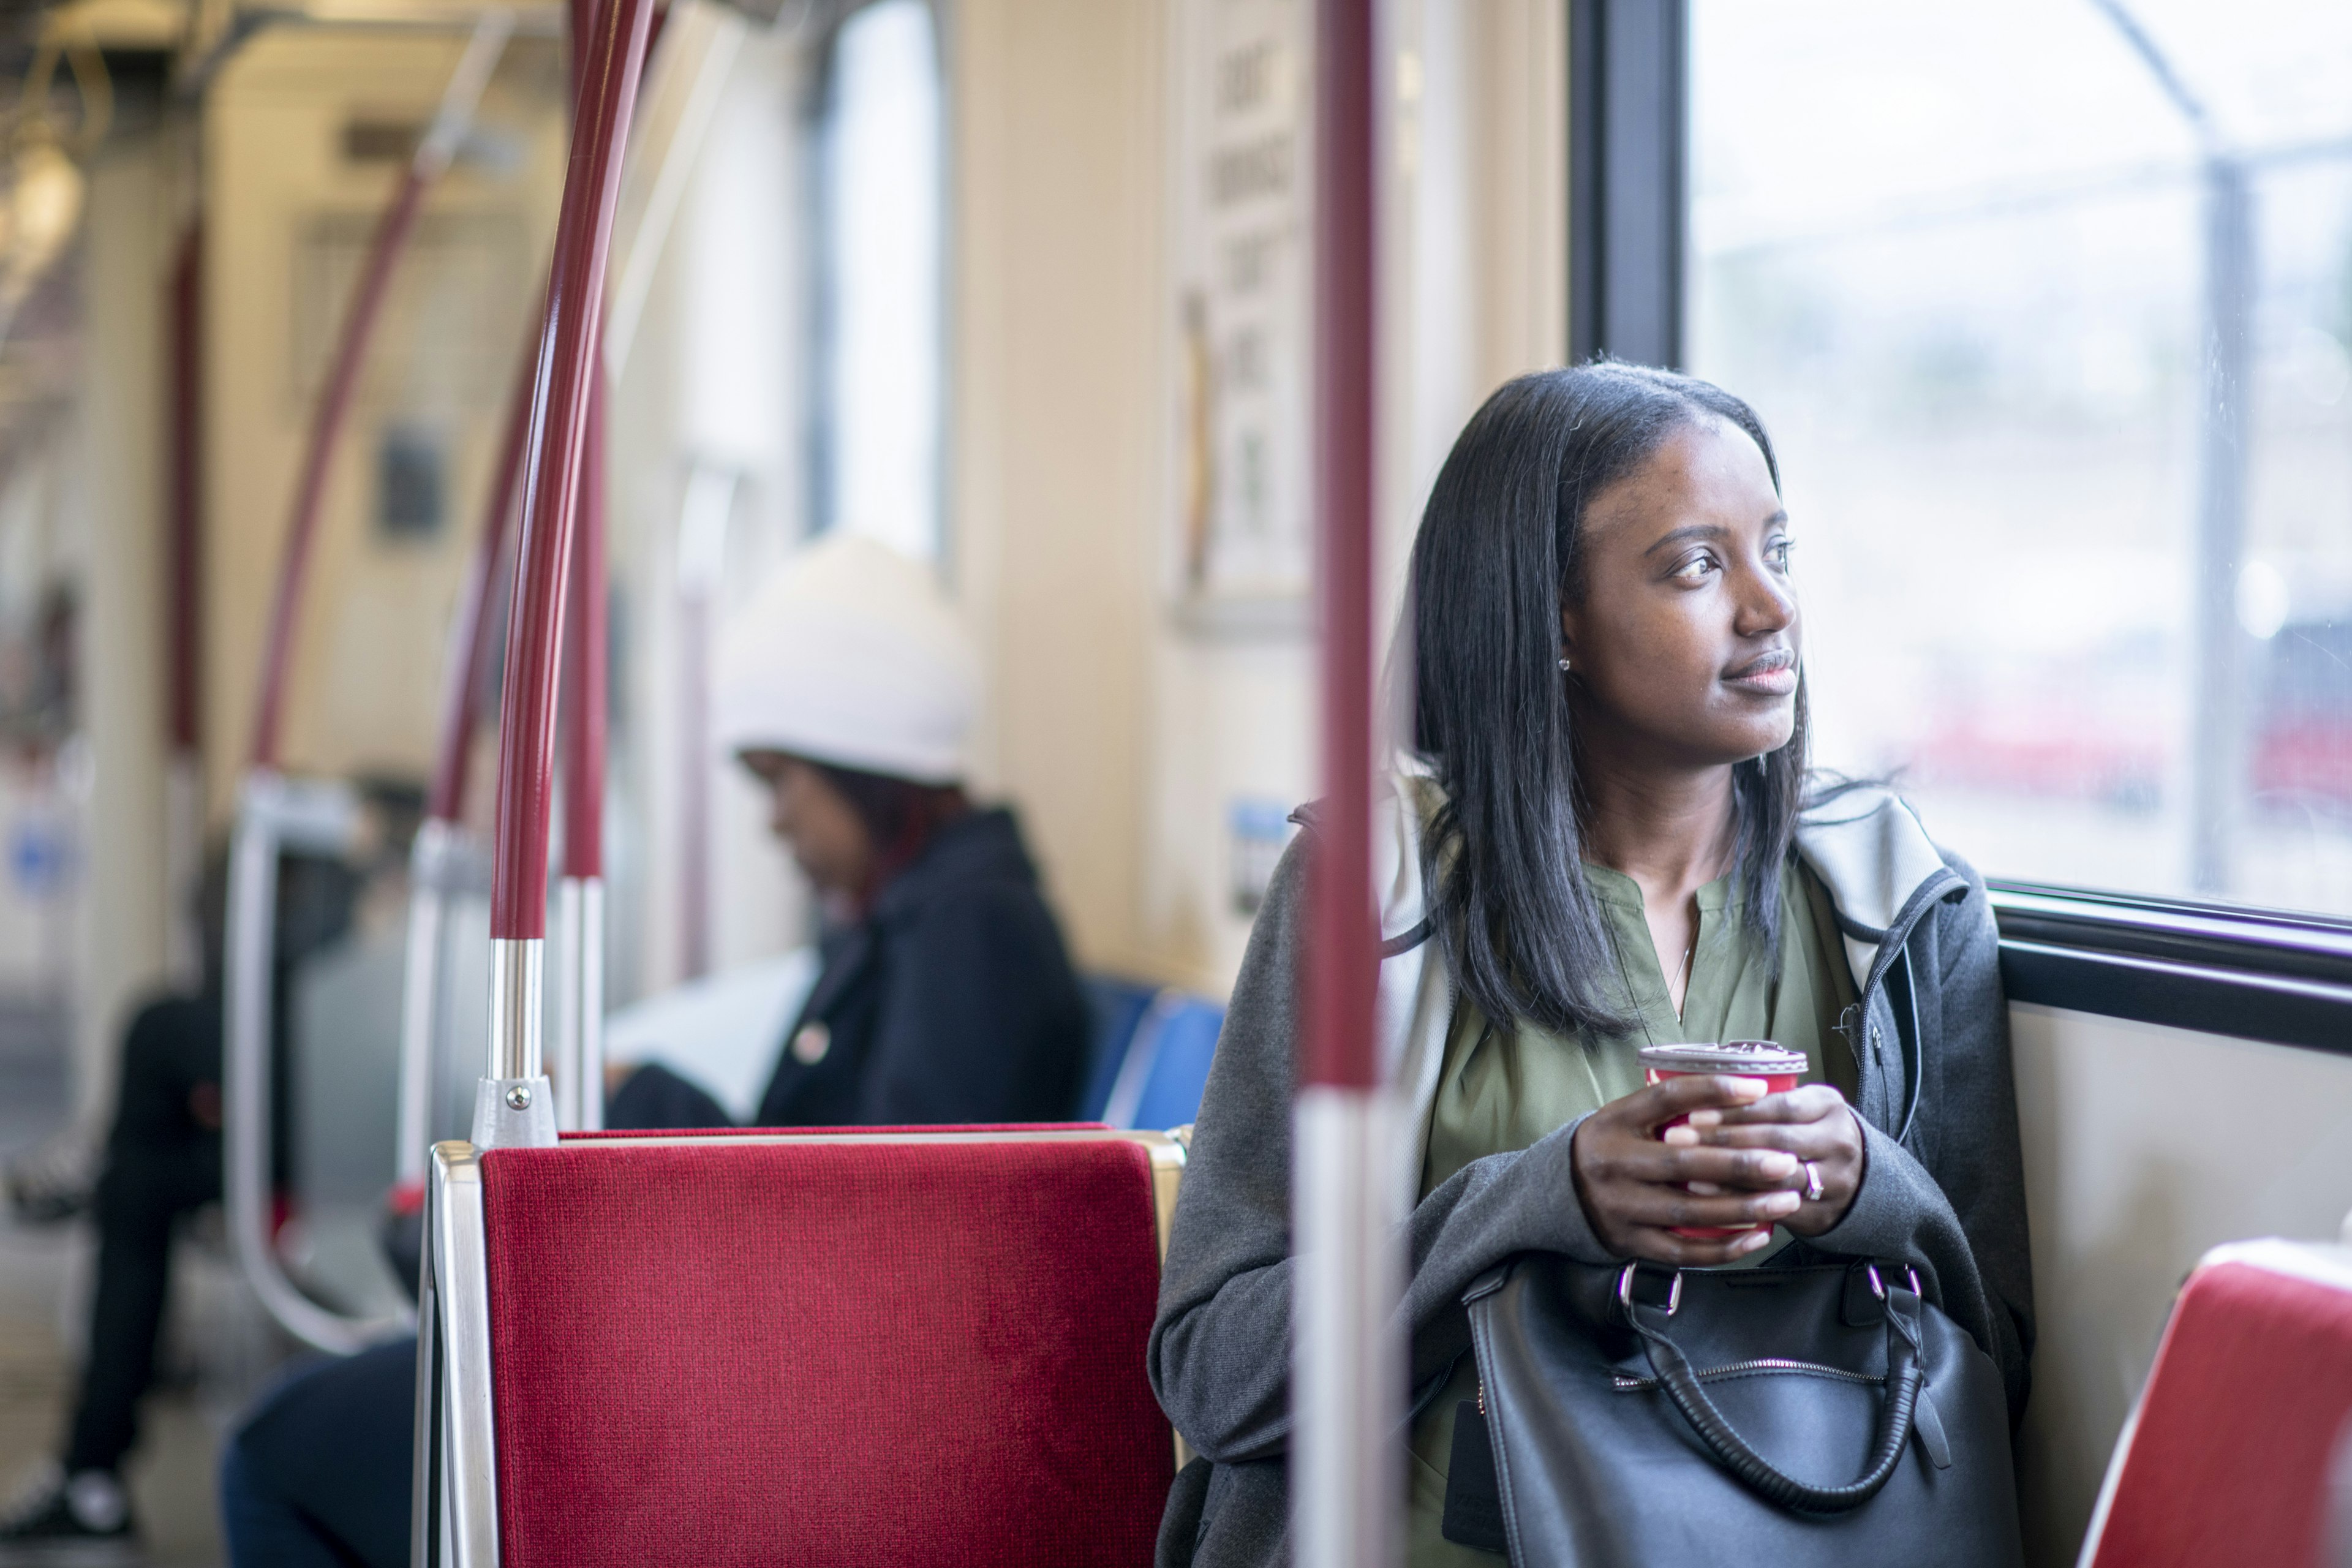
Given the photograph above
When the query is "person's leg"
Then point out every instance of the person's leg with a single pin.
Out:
(652, 1096)
(324, 1467)
(261, 1527)
(164, 1161)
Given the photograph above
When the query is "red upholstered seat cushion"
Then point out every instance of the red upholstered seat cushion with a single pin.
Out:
(2228, 1459)
(727, 1352)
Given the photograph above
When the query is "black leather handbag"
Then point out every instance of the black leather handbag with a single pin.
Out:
(1817, 1414)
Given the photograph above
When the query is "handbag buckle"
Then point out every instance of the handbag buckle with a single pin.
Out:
(1625, 1290)
(1879, 1285)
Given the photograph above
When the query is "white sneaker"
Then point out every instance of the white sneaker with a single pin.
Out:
(78, 1521)
(57, 1180)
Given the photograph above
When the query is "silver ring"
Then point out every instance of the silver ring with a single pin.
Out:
(1812, 1182)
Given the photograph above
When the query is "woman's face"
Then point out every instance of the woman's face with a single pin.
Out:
(826, 837)
(1684, 645)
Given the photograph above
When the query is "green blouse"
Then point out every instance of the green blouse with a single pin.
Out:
(1499, 1093)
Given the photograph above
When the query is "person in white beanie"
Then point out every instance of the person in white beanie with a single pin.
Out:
(848, 685)
(944, 995)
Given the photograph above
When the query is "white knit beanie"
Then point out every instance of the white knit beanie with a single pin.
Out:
(849, 655)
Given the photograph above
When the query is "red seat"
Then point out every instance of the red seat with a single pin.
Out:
(2226, 1458)
(835, 1348)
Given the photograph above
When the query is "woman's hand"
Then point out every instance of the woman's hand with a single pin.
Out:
(1812, 1122)
(1635, 1188)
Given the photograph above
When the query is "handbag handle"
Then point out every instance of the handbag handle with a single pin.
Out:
(1757, 1473)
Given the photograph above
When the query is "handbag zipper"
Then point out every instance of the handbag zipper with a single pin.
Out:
(1748, 1369)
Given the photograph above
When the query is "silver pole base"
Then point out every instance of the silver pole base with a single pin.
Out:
(1348, 1363)
(514, 1113)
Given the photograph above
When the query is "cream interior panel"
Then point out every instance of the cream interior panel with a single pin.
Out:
(2144, 1146)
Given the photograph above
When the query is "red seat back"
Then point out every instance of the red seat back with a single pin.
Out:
(2226, 1460)
(736, 1351)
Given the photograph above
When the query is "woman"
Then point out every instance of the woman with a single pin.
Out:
(1600, 839)
(944, 994)
(161, 1162)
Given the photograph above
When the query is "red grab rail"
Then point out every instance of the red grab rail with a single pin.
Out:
(334, 404)
(470, 636)
(586, 663)
(184, 506)
(390, 237)
(560, 421)
(584, 653)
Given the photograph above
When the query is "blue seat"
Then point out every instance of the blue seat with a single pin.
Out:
(1118, 1006)
(1158, 1084)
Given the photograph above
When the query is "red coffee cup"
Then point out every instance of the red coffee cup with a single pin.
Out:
(1781, 1069)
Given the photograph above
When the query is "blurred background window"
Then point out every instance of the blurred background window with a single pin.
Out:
(2055, 353)
(880, 212)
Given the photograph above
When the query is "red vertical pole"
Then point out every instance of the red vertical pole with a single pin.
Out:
(427, 166)
(1339, 1039)
(585, 664)
(325, 425)
(263, 814)
(438, 837)
(1347, 1372)
(579, 897)
(584, 630)
(183, 809)
(470, 637)
(183, 508)
(580, 900)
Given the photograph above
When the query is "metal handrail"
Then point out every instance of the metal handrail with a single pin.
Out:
(274, 813)
(443, 858)
(698, 49)
(445, 862)
(431, 161)
(579, 896)
(512, 1102)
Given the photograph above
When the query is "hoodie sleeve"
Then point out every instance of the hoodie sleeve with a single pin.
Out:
(1220, 1351)
(1952, 1200)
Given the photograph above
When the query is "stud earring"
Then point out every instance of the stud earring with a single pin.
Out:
(1563, 667)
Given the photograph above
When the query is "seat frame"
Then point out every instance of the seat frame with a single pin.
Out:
(454, 1517)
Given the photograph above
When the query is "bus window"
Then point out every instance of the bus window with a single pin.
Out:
(880, 219)
(2057, 355)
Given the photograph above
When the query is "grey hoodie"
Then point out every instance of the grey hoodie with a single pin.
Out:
(1944, 1186)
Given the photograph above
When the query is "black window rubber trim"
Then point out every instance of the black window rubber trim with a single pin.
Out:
(2255, 974)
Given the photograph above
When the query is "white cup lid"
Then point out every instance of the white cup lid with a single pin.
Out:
(1748, 1059)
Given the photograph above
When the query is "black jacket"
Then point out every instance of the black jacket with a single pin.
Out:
(951, 1001)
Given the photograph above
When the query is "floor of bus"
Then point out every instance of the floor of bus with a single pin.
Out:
(44, 1286)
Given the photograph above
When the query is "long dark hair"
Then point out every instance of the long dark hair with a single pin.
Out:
(1498, 554)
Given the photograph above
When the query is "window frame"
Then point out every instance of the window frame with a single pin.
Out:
(2249, 971)
(819, 282)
